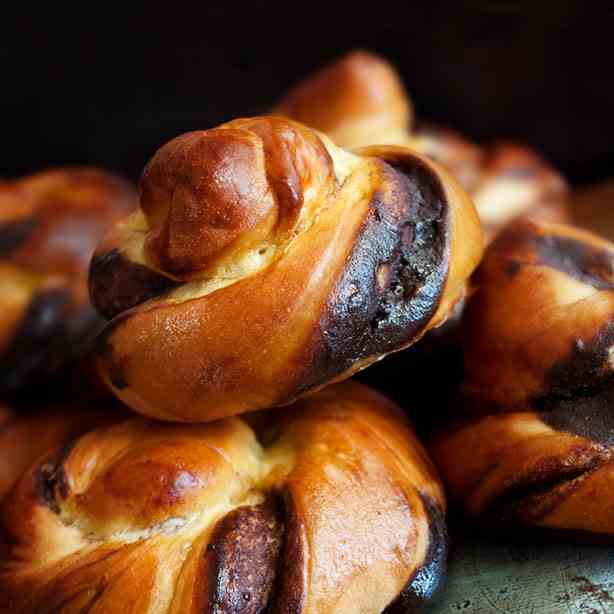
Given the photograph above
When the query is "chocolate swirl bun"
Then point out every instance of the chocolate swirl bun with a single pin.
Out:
(266, 263)
(331, 508)
(537, 443)
(50, 224)
(359, 100)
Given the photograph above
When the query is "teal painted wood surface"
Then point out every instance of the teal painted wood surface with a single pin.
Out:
(548, 576)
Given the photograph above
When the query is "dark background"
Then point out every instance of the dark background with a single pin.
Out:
(107, 85)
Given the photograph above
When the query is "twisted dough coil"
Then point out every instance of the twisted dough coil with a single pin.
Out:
(267, 263)
(537, 440)
(50, 224)
(359, 100)
(334, 507)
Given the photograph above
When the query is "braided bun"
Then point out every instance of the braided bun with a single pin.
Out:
(331, 508)
(537, 440)
(266, 263)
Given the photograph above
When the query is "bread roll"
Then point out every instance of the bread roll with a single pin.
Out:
(333, 507)
(266, 263)
(535, 439)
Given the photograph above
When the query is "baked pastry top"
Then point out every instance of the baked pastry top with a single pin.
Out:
(333, 507)
(26, 435)
(266, 262)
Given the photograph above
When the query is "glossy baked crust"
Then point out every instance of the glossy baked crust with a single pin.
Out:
(333, 507)
(359, 100)
(26, 436)
(266, 263)
(537, 439)
(50, 224)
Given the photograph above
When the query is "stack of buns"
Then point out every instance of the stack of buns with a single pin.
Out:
(199, 445)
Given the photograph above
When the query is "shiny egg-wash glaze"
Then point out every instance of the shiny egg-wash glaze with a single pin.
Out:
(25, 436)
(537, 437)
(50, 224)
(359, 100)
(266, 263)
(331, 508)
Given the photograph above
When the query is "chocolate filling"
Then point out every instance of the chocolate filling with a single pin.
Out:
(527, 497)
(578, 392)
(241, 560)
(117, 284)
(582, 261)
(393, 281)
(290, 591)
(40, 345)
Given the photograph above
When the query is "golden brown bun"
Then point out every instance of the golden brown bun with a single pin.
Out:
(267, 263)
(333, 507)
(25, 436)
(359, 100)
(536, 445)
(353, 99)
(50, 224)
